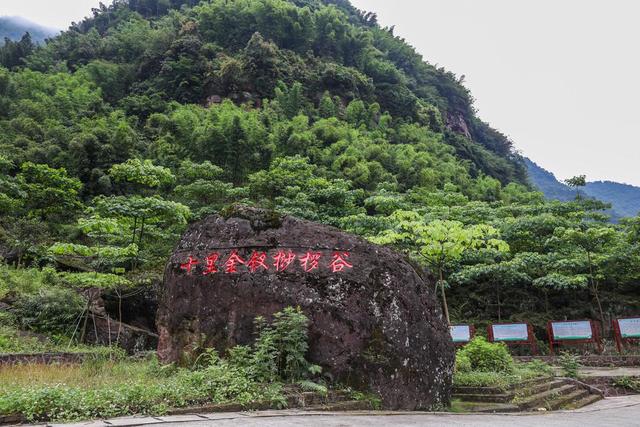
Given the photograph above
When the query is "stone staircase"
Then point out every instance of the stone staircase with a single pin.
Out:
(539, 394)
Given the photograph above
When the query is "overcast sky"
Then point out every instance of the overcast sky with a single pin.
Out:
(559, 77)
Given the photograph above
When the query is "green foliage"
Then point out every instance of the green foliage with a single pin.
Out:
(463, 362)
(151, 114)
(628, 383)
(439, 243)
(14, 341)
(280, 349)
(570, 363)
(95, 280)
(248, 375)
(501, 380)
(311, 386)
(576, 181)
(50, 191)
(136, 392)
(484, 356)
(141, 172)
(114, 253)
(52, 310)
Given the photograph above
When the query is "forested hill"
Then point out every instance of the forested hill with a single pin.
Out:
(14, 28)
(145, 54)
(624, 198)
(153, 113)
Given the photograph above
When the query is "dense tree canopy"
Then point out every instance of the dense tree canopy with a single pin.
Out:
(153, 113)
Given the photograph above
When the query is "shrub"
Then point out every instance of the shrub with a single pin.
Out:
(280, 349)
(487, 357)
(570, 363)
(51, 310)
(463, 363)
(631, 384)
(12, 342)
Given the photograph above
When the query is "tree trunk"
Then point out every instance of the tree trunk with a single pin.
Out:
(499, 311)
(444, 298)
(135, 228)
(594, 290)
(84, 324)
(141, 233)
(546, 301)
(119, 316)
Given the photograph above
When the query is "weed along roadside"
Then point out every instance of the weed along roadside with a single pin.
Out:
(272, 373)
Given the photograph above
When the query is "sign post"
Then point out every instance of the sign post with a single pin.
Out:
(462, 334)
(573, 332)
(513, 334)
(626, 330)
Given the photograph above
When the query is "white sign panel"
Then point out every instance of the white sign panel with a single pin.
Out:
(580, 330)
(460, 333)
(510, 332)
(629, 328)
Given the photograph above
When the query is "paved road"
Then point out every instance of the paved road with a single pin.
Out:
(612, 412)
(631, 371)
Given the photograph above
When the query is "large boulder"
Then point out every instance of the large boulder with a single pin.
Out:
(374, 323)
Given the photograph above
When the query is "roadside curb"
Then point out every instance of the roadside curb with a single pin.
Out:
(611, 403)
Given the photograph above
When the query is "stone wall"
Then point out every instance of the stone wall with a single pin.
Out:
(43, 358)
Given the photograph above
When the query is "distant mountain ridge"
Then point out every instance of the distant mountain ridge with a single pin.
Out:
(14, 27)
(624, 198)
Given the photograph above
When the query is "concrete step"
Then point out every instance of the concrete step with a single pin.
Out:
(550, 394)
(567, 399)
(349, 405)
(540, 400)
(297, 399)
(532, 382)
(539, 387)
(498, 390)
(587, 400)
(485, 398)
(521, 390)
(484, 407)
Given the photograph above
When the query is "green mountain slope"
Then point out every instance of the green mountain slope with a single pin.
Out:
(148, 52)
(624, 198)
(154, 113)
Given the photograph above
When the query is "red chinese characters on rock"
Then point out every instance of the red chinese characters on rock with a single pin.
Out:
(339, 262)
(231, 265)
(257, 261)
(282, 260)
(310, 261)
(188, 266)
(211, 264)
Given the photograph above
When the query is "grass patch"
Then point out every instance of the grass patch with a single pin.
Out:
(521, 372)
(16, 342)
(103, 389)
